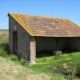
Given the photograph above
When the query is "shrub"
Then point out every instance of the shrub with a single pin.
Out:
(3, 53)
(75, 66)
(14, 57)
(23, 61)
(58, 56)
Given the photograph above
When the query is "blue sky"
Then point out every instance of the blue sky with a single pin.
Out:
(69, 9)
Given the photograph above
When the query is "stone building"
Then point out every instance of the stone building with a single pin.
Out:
(31, 34)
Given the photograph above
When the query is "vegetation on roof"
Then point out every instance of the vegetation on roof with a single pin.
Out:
(47, 27)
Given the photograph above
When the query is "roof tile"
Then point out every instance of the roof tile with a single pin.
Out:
(47, 27)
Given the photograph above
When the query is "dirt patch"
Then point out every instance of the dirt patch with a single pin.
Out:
(38, 77)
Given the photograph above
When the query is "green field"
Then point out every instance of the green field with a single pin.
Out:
(56, 67)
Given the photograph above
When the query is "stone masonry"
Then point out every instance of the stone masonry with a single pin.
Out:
(21, 33)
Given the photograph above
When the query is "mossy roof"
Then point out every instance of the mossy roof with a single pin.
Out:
(46, 26)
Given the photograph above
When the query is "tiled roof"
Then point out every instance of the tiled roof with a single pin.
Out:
(47, 27)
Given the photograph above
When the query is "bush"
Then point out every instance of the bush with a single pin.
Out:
(14, 57)
(3, 53)
(58, 56)
(23, 61)
(75, 66)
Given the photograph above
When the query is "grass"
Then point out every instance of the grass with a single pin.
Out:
(46, 68)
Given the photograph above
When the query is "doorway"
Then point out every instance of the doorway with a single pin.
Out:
(14, 41)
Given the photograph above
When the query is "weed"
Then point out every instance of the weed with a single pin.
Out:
(23, 61)
(3, 53)
(57, 56)
(13, 57)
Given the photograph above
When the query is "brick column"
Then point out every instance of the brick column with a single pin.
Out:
(32, 50)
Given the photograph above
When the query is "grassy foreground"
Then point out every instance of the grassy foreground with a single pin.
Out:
(60, 67)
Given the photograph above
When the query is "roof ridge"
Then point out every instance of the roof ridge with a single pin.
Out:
(38, 16)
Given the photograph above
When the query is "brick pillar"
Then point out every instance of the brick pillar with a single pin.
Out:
(32, 50)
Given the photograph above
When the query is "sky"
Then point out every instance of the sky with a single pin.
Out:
(69, 9)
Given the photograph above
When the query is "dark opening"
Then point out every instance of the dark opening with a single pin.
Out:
(14, 41)
(44, 53)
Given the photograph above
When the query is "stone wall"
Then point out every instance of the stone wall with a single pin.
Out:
(43, 43)
(74, 43)
(23, 39)
(65, 44)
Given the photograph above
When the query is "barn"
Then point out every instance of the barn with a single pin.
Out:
(30, 34)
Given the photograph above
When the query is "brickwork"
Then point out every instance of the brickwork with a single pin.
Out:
(32, 50)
